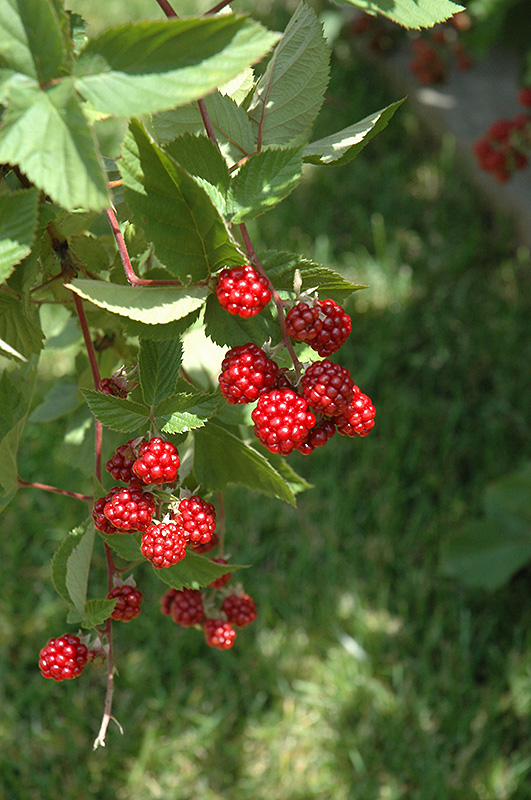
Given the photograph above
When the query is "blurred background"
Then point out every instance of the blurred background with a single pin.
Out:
(372, 672)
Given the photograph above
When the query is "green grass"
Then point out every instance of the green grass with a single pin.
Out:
(368, 675)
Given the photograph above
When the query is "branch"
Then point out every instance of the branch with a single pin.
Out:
(45, 487)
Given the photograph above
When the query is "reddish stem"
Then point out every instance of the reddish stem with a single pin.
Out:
(165, 6)
(207, 122)
(217, 8)
(107, 716)
(45, 487)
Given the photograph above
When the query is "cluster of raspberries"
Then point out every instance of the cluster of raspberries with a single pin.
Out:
(506, 146)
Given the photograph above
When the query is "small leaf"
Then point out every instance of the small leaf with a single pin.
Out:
(227, 329)
(117, 413)
(281, 266)
(60, 561)
(160, 333)
(263, 181)
(18, 221)
(19, 326)
(185, 412)
(78, 567)
(159, 364)
(410, 13)
(126, 545)
(30, 39)
(96, 612)
(193, 572)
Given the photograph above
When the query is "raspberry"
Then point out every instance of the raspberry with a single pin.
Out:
(206, 547)
(64, 658)
(358, 418)
(524, 96)
(219, 634)
(246, 373)
(187, 608)
(100, 520)
(327, 387)
(335, 330)
(303, 323)
(196, 519)
(282, 420)
(166, 601)
(158, 462)
(240, 610)
(110, 387)
(317, 437)
(128, 603)
(222, 581)
(130, 509)
(163, 544)
(242, 291)
(120, 466)
(283, 380)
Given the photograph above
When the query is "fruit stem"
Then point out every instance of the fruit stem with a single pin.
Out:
(217, 8)
(107, 716)
(165, 6)
(45, 487)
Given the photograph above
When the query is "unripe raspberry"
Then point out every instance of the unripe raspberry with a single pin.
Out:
(128, 602)
(163, 544)
(246, 373)
(187, 608)
(120, 465)
(318, 436)
(196, 519)
(282, 420)
(240, 610)
(100, 520)
(358, 418)
(327, 387)
(219, 634)
(130, 509)
(242, 291)
(110, 387)
(222, 581)
(166, 601)
(201, 549)
(63, 658)
(158, 462)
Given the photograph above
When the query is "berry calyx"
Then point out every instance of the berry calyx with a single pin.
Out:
(219, 634)
(318, 436)
(163, 544)
(128, 602)
(63, 658)
(242, 291)
(282, 420)
(358, 418)
(222, 581)
(196, 519)
(239, 609)
(187, 608)
(120, 465)
(130, 509)
(158, 462)
(327, 387)
(246, 373)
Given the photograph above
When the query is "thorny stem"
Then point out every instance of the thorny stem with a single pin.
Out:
(45, 487)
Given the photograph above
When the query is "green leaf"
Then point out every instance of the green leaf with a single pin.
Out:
(8, 457)
(228, 329)
(158, 333)
(159, 364)
(410, 13)
(152, 305)
(193, 572)
(263, 181)
(96, 612)
(19, 326)
(31, 41)
(290, 93)
(202, 159)
(343, 146)
(295, 482)
(177, 215)
(16, 390)
(78, 568)
(185, 412)
(23, 278)
(61, 399)
(47, 135)
(60, 560)
(221, 458)
(126, 545)
(116, 413)
(18, 221)
(508, 500)
(147, 67)
(281, 266)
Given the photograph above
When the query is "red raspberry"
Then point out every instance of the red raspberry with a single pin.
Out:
(128, 603)
(327, 387)
(187, 608)
(303, 323)
(206, 547)
(246, 373)
(130, 509)
(335, 329)
(120, 465)
(100, 520)
(240, 610)
(283, 380)
(163, 544)
(242, 291)
(524, 97)
(222, 581)
(358, 419)
(219, 634)
(158, 462)
(166, 602)
(64, 658)
(500, 130)
(196, 519)
(317, 437)
(282, 420)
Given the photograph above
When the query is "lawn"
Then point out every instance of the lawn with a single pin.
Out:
(368, 674)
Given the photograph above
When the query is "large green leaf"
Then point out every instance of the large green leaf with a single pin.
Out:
(152, 305)
(31, 41)
(193, 572)
(60, 561)
(96, 611)
(19, 326)
(343, 146)
(200, 157)
(263, 181)
(228, 329)
(61, 399)
(159, 364)
(146, 67)
(16, 389)
(281, 266)
(126, 545)
(177, 215)
(410, 13)
(78, 568)
(289, 95)
(47, 135)
(18, 221)
(221, 458)
(116, 413)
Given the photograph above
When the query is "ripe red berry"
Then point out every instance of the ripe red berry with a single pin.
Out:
(246, 373)
(240, 610)
(187, 608)
(128, 602)
(219, 634)
(163, 544)
(282, 420)
(158, 462)
(327, 387)
(120, 465)
(130, 509)
(318, 436)
(196, 519)
(358, 418)
(63, 658)
(242, 291)
(524, 96)
(222, 581)
(100, 520)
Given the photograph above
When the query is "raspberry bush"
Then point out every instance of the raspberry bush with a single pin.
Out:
(129, 238)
